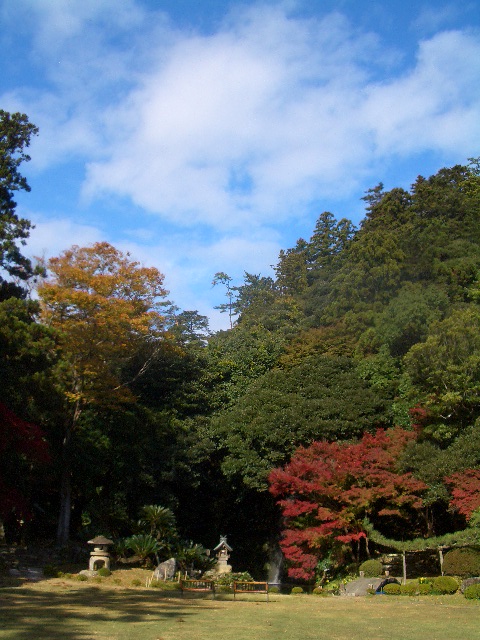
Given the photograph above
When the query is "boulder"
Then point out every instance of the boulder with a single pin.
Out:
(165, 570)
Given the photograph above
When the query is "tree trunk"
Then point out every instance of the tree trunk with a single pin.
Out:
(63, 528)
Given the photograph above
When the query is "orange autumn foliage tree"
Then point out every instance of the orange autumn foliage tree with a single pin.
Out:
(106, 308)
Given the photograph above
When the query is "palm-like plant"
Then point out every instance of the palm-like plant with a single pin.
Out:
(143, 545)
(159, 520)
(194, 556)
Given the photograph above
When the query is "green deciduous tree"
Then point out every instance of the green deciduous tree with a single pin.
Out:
(319, 398)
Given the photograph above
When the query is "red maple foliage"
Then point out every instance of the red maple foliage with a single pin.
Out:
(328, 488)
(465, 490)
(21, 443)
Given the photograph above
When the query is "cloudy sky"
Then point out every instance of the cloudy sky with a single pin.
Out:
(205, 136)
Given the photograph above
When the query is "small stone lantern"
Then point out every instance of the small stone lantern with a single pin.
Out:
(99, 557)
(223, 550)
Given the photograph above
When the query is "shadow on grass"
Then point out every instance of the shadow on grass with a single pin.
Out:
(73, 613)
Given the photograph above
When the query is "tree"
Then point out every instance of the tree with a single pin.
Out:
(320, 398)
(15, 135)
(328, 489)
(190, 328)
(22, 448)
(223, 278)
(465, 489)
(106, 308)
(445, 372)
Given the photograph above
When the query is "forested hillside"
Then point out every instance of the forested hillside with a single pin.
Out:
(366, 342)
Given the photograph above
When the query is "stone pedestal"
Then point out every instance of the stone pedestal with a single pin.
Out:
(98, 560)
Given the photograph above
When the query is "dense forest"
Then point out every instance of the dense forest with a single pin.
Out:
(343, 403)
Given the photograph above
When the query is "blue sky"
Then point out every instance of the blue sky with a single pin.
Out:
(205, 136)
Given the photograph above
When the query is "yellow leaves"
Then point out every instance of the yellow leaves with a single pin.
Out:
(104, 305)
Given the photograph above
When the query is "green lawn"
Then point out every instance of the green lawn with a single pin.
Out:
(68, 611)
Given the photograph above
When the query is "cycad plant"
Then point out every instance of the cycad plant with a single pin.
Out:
(143, 545)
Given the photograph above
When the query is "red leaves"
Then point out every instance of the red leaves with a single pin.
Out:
(328, 488)
(20, 442)
(20, 437)
(465, 489)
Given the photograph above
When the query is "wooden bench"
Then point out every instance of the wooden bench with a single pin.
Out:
(250, 587)
(199, 586)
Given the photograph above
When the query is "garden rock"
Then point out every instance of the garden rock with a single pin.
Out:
(165, 570)
(361, 586)
(469, 581)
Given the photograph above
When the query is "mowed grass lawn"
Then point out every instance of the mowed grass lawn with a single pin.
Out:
(57, 610)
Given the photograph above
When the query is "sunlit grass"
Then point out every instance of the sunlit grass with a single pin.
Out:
(65, 609)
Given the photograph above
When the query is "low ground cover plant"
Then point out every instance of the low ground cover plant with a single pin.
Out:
(296, 591)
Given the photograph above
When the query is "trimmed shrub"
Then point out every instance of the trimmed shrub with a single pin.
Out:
(318, 591)
(464, 563)
(472, 592)
(296, 590)
(273, 590)
(424, 588)
(444, 585)
(81, 577)
(409, 589)
(371, 568)
(392, 589)
(104, 572)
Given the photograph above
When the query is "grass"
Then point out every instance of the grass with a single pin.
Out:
(60, 609)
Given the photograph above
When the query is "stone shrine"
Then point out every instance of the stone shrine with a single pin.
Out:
(222, 551)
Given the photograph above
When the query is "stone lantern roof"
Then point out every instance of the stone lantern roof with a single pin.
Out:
(100, 540)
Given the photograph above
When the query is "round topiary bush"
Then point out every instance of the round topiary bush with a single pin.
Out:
(371, 568)
(392, 589)
(444, 585)
(318, 591)
(464, 563)
(104, 572)
(472, 592)
(273, 590)
(409, 589)
(296, 590)
(424, 589)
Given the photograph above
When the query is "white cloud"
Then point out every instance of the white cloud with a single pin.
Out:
(230, 135)
(52, 236)
(247, 125)
(435, 106)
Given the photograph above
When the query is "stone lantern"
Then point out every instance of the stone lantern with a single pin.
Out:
(223, 550)
(99, 557)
